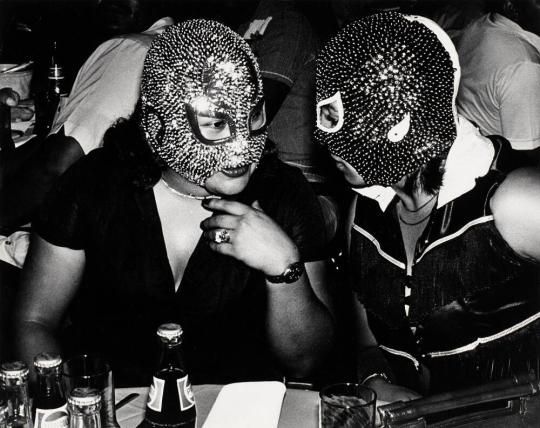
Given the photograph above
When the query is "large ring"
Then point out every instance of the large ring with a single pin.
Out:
(222, 237)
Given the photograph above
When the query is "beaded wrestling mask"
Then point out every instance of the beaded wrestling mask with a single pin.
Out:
(386, 88)
(202, 100)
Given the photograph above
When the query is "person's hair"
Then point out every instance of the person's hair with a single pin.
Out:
(428, 177)
(126, 138)
(508, 8)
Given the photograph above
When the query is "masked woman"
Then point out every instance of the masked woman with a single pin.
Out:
(444, 248)
(118, 247)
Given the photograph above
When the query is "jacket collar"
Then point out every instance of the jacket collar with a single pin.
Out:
(469, 158)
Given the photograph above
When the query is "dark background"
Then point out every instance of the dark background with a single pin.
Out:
(28, 28)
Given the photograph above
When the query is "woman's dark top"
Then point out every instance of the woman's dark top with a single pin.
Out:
(105, 205)
(474, 307)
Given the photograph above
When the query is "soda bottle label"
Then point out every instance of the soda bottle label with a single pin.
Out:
(155, 396)
(49, 418)
(185, 394)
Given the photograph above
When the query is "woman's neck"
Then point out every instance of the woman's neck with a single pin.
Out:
(183, 186)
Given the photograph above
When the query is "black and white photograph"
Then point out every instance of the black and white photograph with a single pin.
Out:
(269, 213)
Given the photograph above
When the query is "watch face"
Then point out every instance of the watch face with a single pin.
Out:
(293, 272)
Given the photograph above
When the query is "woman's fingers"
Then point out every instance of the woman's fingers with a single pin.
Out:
(9, 97)
(223, 221)
(220, 241)
(219, 236)
(21, 114)
(225, 249)
(257, 206)
(228, 207)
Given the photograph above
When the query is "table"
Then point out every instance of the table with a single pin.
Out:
(300, 408)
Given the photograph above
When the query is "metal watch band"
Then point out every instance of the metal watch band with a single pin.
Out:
(293, 272)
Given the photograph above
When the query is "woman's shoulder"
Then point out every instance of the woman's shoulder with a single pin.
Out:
(286, 196)
(272, 170)
(515, 206)
(280, 184)
(124, 162)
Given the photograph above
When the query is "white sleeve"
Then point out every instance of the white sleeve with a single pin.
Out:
(106, 89)
(519, 109)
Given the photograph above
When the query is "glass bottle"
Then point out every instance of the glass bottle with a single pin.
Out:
(55, 90)
(14, 378)
(50, 407)
(84, 405)
(170, 401)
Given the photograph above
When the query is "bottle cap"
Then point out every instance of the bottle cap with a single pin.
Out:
(46, 360)
(13, 370)
(84, 397)
(169, 331)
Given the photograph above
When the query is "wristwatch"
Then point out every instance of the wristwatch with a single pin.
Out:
(292, 273)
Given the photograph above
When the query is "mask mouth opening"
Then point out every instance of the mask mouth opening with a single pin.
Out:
(238, 171)
(330, 114)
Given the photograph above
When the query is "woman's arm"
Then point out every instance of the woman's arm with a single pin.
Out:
(50, 278)
(299, 326)
(370, 363)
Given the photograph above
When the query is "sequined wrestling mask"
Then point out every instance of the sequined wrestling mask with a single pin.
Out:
(386, 88)
(202, 100)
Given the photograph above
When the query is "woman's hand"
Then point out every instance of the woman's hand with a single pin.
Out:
(389, 392)
(249, 235)
(9, 97)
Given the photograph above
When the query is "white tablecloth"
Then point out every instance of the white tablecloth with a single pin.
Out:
(300, 408)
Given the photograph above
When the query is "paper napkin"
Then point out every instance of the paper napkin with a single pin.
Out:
(247, 405)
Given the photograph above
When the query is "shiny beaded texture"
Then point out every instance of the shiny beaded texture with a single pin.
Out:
(396, 82)
(204, 66)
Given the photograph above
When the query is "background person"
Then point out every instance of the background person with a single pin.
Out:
(444, 250)
(500, 85)
(286, 44)
(106, 88)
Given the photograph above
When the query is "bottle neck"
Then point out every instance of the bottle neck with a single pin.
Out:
(49, 386)
(55, 75)
(171, 356)
(85, 421)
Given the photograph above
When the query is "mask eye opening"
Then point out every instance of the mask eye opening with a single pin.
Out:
(258, 113)
(330, 114)
(192, 116)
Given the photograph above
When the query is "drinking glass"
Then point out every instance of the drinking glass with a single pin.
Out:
(347, 405)
(92, 371)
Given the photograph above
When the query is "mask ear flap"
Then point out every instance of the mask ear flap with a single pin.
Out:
(330, 114)
(153, 126)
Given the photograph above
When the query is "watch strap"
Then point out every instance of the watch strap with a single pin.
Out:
(291, 274)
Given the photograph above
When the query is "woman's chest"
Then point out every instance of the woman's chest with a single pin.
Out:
(180, 225)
